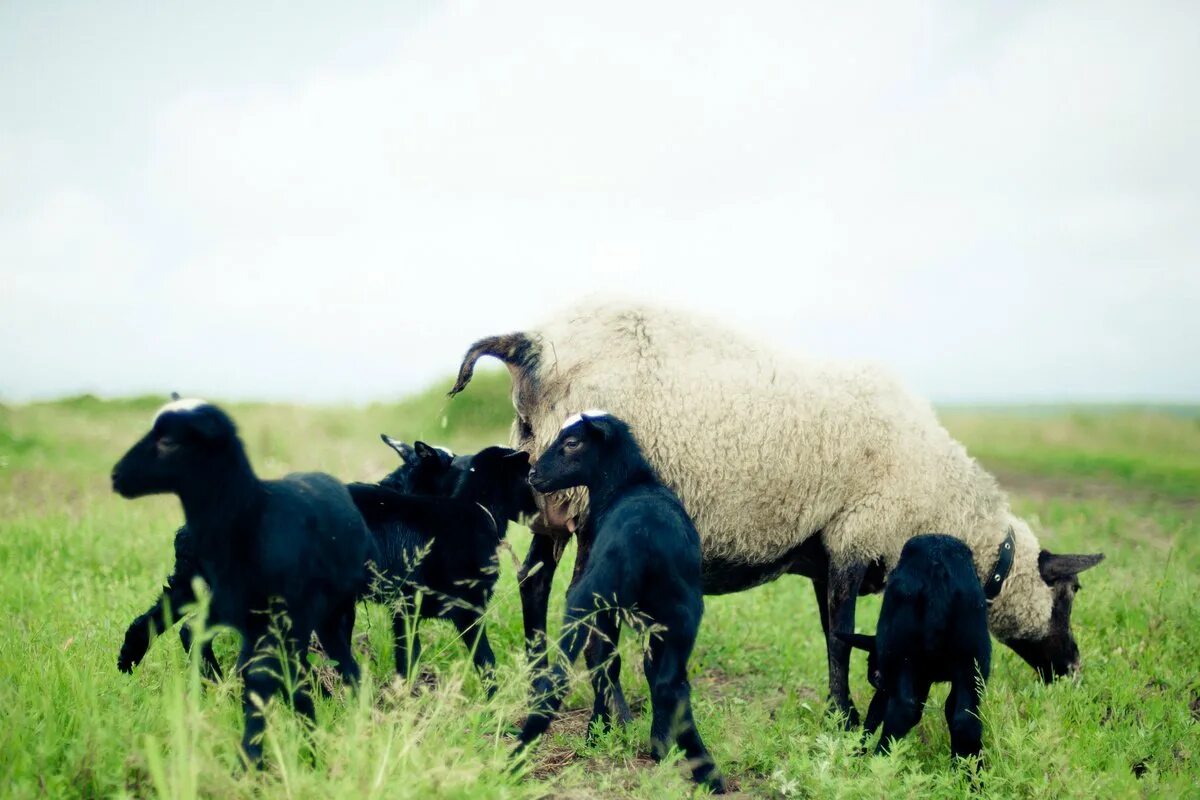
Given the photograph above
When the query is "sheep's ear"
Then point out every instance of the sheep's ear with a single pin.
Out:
(403, 449)
(860, 640)
(1055, 567)
(175, 396)
(424, 451)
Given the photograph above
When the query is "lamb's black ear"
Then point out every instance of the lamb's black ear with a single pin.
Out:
(424, 451)
(860, 640)
(403, 449)
(517, 458)
(598, 425)
(211, 424)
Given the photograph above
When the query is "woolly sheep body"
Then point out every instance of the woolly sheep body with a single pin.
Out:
(766, 450)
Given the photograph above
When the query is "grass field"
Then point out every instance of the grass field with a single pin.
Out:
(77, 563)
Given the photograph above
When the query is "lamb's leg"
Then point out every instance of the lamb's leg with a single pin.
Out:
(671, 701)
(469, 624)
(903, 710)
(535, 584)
(159, 617)
(260, 668)
(550, 688)
(842, 596)
(596, 651)
(962, 715)
(336, 637)
(209, 666)
(605, 669)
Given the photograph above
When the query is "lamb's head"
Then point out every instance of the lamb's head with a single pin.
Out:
(578, 453)
(498, 477)
(1032, 613)
(424, 469)
(186, 438)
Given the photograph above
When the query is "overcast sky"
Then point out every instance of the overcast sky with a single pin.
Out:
(308, 201)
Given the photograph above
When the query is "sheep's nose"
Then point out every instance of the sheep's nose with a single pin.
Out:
(532, 475)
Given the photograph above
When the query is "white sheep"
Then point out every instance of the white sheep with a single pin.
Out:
(786, 464)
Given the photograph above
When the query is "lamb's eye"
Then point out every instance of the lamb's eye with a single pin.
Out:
(166, 445)
(571, 444)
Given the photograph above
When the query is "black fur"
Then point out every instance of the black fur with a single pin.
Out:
(423, 470)
(932, 628)
(644, 561)
(445, 549)
(296, 545)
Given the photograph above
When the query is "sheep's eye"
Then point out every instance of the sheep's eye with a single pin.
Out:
(166, 445)
(571, 444)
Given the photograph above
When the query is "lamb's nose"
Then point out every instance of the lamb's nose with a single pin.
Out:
(532, 475)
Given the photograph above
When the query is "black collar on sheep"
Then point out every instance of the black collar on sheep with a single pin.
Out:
(1004, 562)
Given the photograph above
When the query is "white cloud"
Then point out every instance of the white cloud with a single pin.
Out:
(999, 203)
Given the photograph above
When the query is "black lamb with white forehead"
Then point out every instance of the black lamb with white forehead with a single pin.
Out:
(423, 470)
(296, 545)
(645, 561)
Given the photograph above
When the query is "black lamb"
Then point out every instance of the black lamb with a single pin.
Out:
(932, 627)
(443, 549)
(645, 561)
(296, 546)
(423, 470)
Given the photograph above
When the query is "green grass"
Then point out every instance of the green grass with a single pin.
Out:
(77, 563)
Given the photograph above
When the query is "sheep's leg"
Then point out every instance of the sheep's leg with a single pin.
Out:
(604, 665)
(842, 597)
(535, 583)
(469, 625)
(821, 588)
(671, 700)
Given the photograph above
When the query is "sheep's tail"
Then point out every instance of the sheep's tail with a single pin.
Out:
(517, 350)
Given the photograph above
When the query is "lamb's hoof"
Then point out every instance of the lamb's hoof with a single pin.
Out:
(850, 719)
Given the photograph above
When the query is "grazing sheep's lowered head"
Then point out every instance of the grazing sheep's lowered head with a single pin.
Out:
(187, 440)
(1032, 613)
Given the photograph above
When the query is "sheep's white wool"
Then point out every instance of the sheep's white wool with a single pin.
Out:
(766, 450)
(591, 412)
(183, 404)
(445, 450)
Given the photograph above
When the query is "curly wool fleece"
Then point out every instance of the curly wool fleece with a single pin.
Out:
(766, 450)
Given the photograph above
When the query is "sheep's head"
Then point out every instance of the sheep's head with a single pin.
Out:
(423, 469)
(184, 436)
(1054, 652)
(497, 477)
